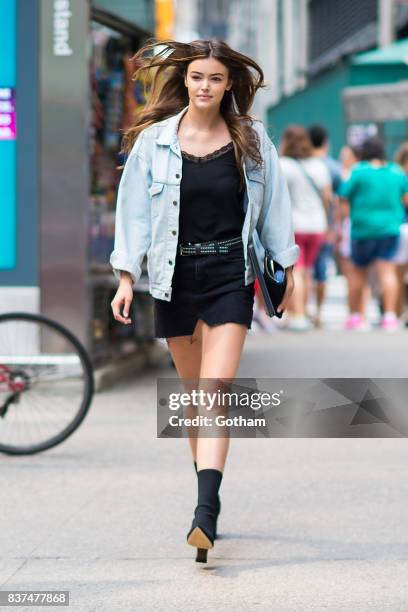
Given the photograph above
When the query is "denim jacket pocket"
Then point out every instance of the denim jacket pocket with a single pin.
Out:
(154, 190)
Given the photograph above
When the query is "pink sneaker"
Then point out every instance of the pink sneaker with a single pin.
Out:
(354, 321)
(389, 324)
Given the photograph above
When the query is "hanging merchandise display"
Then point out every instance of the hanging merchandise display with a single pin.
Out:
(115, 98)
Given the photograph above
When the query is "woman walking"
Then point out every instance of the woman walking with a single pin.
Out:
(309, 184)
(349, 156)
(374, 194)
(200, 176)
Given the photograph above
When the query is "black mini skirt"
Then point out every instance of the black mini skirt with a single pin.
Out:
(207, 287)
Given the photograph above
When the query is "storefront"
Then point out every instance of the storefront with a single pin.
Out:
(375, 106)
(74, 97)
(322, 100)
(114, 100)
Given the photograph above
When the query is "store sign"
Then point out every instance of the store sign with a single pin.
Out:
(7, 113)
(357, 133)
(61, 20)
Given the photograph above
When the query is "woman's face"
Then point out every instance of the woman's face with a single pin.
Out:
(207, 81)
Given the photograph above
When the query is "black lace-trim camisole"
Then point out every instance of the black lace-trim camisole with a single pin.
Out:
(211, 206)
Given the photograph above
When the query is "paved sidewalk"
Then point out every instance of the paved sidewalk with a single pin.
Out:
(330, 351)
(325, 354)
(306, 525)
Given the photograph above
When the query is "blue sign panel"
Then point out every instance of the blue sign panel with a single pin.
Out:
(8, 135)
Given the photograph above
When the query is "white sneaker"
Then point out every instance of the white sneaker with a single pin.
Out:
(299, 324)
(255, 327)
(267, 323)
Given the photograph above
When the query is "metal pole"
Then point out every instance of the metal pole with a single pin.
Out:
(288, 46)
(303, 43)
(64, 162)
(386, 29)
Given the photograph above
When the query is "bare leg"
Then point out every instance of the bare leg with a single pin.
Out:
(320, 297)
(320, 294)
(222, 348)
(357, 284)
(186, 354)
(401, 272)
(345, 268)
(389, 284)
(297, 302)
(221, 352)
(308, 286)
(365, 298)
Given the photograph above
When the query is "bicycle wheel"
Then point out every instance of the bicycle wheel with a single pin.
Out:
(46, 383)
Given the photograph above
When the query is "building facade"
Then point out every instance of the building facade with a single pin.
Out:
(318, 42)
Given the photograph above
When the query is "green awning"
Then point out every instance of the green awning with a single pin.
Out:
(137, 12)
(396, 53)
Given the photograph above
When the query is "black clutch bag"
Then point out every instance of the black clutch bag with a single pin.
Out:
(272, 280)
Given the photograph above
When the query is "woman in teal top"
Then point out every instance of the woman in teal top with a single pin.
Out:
(375, 193)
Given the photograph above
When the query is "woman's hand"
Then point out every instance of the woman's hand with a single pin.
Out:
(290, 285)
(124, 295)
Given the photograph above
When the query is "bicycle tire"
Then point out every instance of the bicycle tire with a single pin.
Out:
(88, 379)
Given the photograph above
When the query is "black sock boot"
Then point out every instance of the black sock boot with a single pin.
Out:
(202, 532)
(218, 506)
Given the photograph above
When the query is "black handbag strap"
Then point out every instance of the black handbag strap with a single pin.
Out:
(253, 242)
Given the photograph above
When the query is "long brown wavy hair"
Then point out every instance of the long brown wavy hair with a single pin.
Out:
(168, 94)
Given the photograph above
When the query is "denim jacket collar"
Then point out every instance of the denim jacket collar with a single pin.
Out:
(168, 135)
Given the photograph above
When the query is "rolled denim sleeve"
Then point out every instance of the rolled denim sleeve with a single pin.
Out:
(275, 225)
(132, 222)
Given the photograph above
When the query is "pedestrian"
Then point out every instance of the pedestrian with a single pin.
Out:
(320, 149)
(200, 176)
(374, 194)
(401, 258)
(349, 156)
(310, 189)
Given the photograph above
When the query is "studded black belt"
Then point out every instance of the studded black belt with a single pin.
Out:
(214, 247)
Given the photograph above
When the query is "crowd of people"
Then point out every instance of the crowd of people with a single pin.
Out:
(351, 216)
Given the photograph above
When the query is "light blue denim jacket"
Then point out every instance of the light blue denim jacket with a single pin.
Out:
(148, 205)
